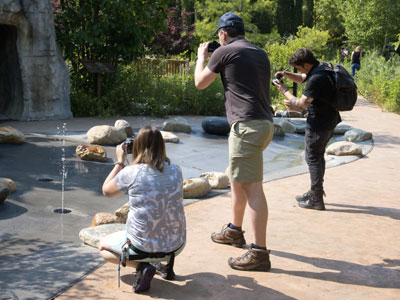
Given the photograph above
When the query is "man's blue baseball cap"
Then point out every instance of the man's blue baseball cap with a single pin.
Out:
(230, 19)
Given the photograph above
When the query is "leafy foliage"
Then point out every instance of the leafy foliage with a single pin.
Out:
(371, 23)
(139, 92)
(178, 36)
(257, 16)
(380, 81)
(110, 30)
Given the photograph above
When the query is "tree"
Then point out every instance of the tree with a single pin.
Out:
(179, 33)
(328, 17)
(308, 13)
(251, 11)
(371, 23)
(109, 30)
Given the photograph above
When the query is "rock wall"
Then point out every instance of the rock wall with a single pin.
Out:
(34, 79)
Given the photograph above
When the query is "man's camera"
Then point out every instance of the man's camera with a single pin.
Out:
(127, 145)
(212, 46)
(277, 81)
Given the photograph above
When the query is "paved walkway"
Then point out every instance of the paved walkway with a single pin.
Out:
(349, 251)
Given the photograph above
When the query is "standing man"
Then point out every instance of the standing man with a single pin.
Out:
(321, 120)
(245, 74)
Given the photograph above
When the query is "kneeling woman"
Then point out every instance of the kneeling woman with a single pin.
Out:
(155, 228)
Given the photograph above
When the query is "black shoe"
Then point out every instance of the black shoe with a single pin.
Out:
(144, 274)
(305, 196)
(316, 201)
(312, 205)
(162, 270)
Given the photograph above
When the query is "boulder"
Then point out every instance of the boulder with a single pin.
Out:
(216, 125)
(177, 124)
(169, 137)
(285, 124)
(357, 135)
(217, 180)
(102, 218)
(278, 130)
(91, 153)
(344, 148)
(7, 183)
(3, 195)
(126, 126)
(299, 123)
(342, 128)
(122, 212)
(10, 135)
(196, 188)
(92, 235)
(295, 114)
(106, 135)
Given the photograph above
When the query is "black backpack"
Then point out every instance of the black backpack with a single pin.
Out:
(345, 87)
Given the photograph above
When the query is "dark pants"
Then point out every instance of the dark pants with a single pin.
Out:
(316, 142)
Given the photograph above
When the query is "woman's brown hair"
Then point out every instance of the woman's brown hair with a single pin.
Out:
(149, 148)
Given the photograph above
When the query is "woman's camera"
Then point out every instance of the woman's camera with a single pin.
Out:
(127, 145)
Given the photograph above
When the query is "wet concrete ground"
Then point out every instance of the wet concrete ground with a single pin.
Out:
(41, 251)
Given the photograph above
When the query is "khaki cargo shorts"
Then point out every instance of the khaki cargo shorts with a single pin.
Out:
(247, 141)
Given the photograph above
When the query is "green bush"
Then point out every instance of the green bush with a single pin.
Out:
(379, 81)
(143, 91)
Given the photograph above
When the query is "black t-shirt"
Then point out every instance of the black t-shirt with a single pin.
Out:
(245, 73)
(321, 114)
(355, 59)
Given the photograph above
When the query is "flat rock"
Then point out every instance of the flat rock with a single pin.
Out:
(91, 153)
(177, 124)
(357, 135)
(216, 125)
(341, 128)
(7, 183)
(217, 180)
(92, 235)
(106, 135)
(102, 218)
(196, 187)
(10, 135)
(169, 137)
(285, 124)
(344, 148)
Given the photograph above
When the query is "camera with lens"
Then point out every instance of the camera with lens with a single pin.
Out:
(278, 79)
(212, 46)
(127, 145)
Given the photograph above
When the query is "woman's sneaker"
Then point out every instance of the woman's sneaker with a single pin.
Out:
(229, 236)
(252, 260)
(144, 274)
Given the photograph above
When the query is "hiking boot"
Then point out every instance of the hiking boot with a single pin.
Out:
(305, 196)
(252, 260)
(229, 236)
(162, 270)
(144, 274)
(315, 202)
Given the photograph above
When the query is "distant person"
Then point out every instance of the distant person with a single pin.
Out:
(156, 226)
(245, 73)
(356, 57)
(322, 118)
(343, 54)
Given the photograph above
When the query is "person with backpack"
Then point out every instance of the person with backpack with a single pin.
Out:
(322, 117)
